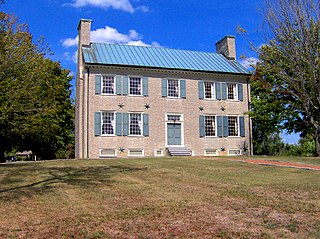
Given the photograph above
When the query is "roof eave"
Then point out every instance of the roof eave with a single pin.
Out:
(163, 68)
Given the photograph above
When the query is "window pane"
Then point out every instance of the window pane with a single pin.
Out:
(210, 126)
(208, 89)
(108, 85)
(233, 125)
(173, 88)
(135, 124)
(231, 91)
(174, 117)
(135, 86)
(107, 123)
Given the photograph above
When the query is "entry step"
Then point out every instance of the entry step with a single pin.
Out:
(179, 151)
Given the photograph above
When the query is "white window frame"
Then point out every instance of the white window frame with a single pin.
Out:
(107, 156)
(213, 90)
(112, 123)
(235, 91)
(213, 155)
(140, 124)
(238, 126)
(114, 84)
(235, 154)
(179, 93)
(129, 86)
(158, 155)
(142, 153)
(215, 126)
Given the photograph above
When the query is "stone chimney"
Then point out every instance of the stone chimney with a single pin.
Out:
(227, 47)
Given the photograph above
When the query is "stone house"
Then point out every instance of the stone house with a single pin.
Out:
(153, 101)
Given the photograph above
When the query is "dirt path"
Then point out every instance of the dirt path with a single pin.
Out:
(277, 163)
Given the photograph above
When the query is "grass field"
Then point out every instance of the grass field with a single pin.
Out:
(158, 198)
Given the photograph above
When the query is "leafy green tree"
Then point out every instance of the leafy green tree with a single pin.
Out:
(36, 111)
(290, 66)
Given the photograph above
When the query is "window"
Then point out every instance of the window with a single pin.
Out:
(158, 152)
(136, 152)
(174, 117)
(210, 126)
(135, 86)
(173, 88)
(211, 152)
(108, 85)
(107, 125)
(231, 91)
(233, 126)
(209, 90)
(108, 153)
(135, 124)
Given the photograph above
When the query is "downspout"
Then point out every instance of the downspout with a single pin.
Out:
(249, 118)
(88, 77)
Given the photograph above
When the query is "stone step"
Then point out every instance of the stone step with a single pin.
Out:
(179, 151)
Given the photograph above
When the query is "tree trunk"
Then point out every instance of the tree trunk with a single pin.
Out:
(317, 139)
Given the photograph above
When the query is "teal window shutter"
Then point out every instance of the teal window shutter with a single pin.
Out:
(118, 85)
(200, 89)
(218, 90)
(145, 124)
(125, 124)
(98, 85)
(219, 126)
(97, 123)
(240, 92)
(145, 86)
(224, 91)
(125, 85)
(201, 126)
(183, 90)
(242, 127)
(119, 124)
(164, 87)
(225, 126)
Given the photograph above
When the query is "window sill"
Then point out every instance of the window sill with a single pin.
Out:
(107, 135)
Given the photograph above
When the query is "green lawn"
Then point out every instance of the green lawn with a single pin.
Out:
(157, 198)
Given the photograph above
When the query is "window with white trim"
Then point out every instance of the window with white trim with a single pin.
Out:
(135, 124)
(108, 85)
(233, 127)
(210, 125)
(231, 91)
(107, 123)
(135, 86)
(108, 153)
(209, 90)
(173, 88)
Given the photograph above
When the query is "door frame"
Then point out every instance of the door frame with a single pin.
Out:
(177, 122)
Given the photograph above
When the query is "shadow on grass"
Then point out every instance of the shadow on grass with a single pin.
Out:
(86, 178)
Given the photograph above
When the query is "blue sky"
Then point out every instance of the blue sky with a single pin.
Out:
(189, 24)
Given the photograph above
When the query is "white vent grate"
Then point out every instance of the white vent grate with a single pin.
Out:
(136, 152)
(108, 153)
(211, 152)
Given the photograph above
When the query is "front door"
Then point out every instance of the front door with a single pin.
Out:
(174, 133)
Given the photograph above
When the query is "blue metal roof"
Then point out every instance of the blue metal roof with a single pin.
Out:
(157, 57)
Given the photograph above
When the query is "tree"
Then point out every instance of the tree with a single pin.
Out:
(290, 65)
(36, 111)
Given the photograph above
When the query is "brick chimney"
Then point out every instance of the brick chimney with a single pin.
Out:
(84, 32)
(84, 27)
(227, 47)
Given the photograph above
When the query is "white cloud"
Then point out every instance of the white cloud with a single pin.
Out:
(111, 36)
(123, 5)
(249, 62)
